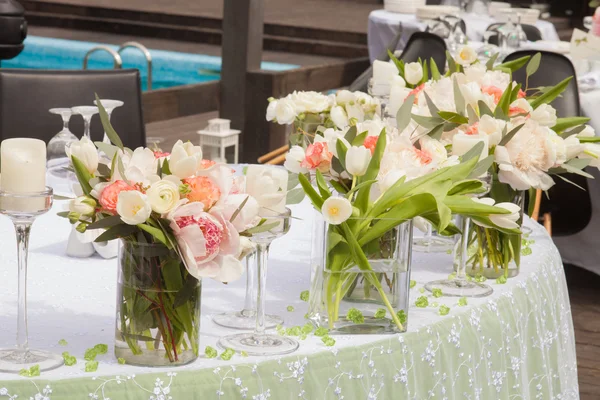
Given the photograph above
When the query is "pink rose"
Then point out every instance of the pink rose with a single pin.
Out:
(210, 244)
(317, 157)
(203, 190)
(110, 194)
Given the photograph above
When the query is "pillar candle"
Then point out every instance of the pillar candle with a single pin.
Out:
(398, 94)
(462, 143)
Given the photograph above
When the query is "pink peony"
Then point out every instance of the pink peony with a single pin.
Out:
(317, 157)
(370, 143)
(160, 154)
(473, 129)
(493, 91)
(203, 190)
(110, 194)
(521, 94)
(514, 111)
(210, 244)
(423, 156)
(206, 164)
(416, 91)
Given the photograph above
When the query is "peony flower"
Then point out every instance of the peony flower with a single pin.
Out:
(140, 167)
(185, 159)
(317, 156)
(492, 128)
(294, 159)
(210, 244)
(494, 91)
(519, 106)
(164, 195)
(83, 205)
(268, 185)
(544, 115)
(390, 179)
(497, 79)
(413, 73)
(466, 56)
(370, 143)
(357, 160)
(475, 72)
(507, 221)
(85, 151)
(339, 117)
(202, 189)
(108, 194)
(373, 127)
(247, 217)
(133, 207)
(336, 210)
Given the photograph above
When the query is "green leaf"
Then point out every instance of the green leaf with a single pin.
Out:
(104, 170)
(121, 168)
(473, 117)
(436, 133)
(115, 232)
(551, 94)
(63, 214)
(110, 132)
(83, 175)
(571, 182)
(532, 193)
(427, 122)
(534, 64)
(484, 109)
(165, 167)
(425, 73)
(433, 110)
(359, 139)
(467, 187)
(435, 72)
(515, 93)
(314, 197)
(459, 100)
(107, 149)
(263, 228)
(186, 292)
(562, 124)
(292, 181)
(338, 187)
(510, 135)
(106, 222)
(322, 185)
(594, 139)
(239, 209)
(361, 185)
(351, 134)
(482, 167)
(504, 102)
(295, 196)
(341, 148)
(333, 239)
(490, 63)
(59, 197)
(362, 197)
(514, 65)
(158, 234)
(453, 117)
(399, 63)
(403, 115)
(451, 63)
(473, 153)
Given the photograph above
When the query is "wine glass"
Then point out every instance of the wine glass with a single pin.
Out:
(109, 106)
(259, 343)
(459, 286)
(431, 242)
(486, 51)
(246, 318)
(59, 174)
(87, 112)
(588, 22)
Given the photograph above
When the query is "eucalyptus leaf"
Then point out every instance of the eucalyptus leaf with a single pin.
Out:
(295, 196)
(351, 134)
(292, 181)
(482, 167)
(106, 222)
(59, 197)
(474, 152)
(121, 168)
(510, 135)
(571, 182)
(433, 110)
(263, 228)
(551, 94)
(404, 113)
(239, 209)
(104, 170)
(514, 65)
(579, 163)
(436, 133)
(490, 63)
(473, 117)
(484, 109)
(107, 149)
(453, 117)
(459, 100)
(534, 64)
(83, 175)
(427, 122)
(110, 132)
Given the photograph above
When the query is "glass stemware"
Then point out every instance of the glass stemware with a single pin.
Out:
(431, 242)
(259, 343)
(22, 209)
(588, 22)
(109, 106)
(459, 286)
(59, 174)
(246, 318)
(87, 112)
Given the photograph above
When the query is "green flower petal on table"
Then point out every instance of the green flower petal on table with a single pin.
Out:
(293, 331)
(31, 372)
(401, 316)
(101, 348)
(422, 290)
(243, 354)
(290, 308)
(121, 360)
(307, 328)
(90, 354)
(422, 302)
(227, 354)
(480, 278)
(69, 359)
(501, 280)
(62, 342)
(413, 283)
(526, 251)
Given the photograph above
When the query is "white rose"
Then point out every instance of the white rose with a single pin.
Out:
(284, 111)
(466, 56)
(268, 185)
(336, 210)
(83, 205)
(163, 196)
(339, 117)
(492, 128)
(311, 102)
(133, 207)
(185, 159)
(271, 110)
(588, 131)
(85, 151)
(357, 160)
(545, 115)
(293, 159)
(413, 73)
(343, 97)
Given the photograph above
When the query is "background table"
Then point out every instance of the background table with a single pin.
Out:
(384, 25)
(516, 344)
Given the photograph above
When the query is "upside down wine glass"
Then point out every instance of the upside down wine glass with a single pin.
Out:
(23, 209)
(459, 286)
(431, 242)
(87, 112)
(259, 343)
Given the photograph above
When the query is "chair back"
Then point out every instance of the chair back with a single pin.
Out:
(27, 95)
(425, 45)
(566, 219)
(531, 31)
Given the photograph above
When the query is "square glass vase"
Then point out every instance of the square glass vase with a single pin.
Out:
(346, 298)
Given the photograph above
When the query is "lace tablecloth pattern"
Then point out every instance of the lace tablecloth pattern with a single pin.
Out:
(516, 344)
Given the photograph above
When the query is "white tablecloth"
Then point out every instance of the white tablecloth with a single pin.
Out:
(384, 25)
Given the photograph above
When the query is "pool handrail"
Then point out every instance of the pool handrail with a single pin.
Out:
(118, 63)
(146, 53)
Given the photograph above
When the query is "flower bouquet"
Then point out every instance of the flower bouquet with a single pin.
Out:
(180, 218)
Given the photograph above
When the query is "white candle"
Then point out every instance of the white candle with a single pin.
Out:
(23, 171)
(383, 72)
(462, 143)
(398, 94)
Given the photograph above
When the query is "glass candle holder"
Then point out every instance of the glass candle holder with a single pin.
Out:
(23, 209)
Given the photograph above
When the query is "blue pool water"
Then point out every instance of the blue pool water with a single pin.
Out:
(169, 68)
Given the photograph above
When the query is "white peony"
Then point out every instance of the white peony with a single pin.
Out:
(163, 195)
(521, 106)
(498, 79)
(310, 102)
(247, 217)
(357, 160)
(372, 126)
(86, 152)
(133, 207)
(544, 115)
(293, 160)
(413, 73)
(185, 159)
(492, 128)
(268, 185)
(339, 117)
(336, 210)
(475, 73)
(466, 56)
(441, 93)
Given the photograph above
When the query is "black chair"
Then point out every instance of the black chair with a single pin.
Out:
(531, 31)
(27, 95)
(425, 46)
(566, 219)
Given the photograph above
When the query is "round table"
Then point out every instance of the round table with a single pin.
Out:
(517, 343)
(384, 26)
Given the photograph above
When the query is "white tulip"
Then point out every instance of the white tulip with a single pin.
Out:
(293, 160)
(544, 115)
(357, 160)
(588, 131)
(522, 104)
(390, 179)
(492, 128)
(133, 207)
(591, 151)
(336, 210)
(86, 152)
(83, 205)
(573, 147)
(185, 159)
(331, 136)
(163, 196)
(339, 117)
(506, 221)
(284, 111)
(466, 56)
(268, 185)
(413, 73)
(472, 94)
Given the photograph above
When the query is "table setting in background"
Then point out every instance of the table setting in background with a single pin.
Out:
(342, 296)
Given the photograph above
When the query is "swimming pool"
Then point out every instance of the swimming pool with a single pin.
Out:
(169, 68)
